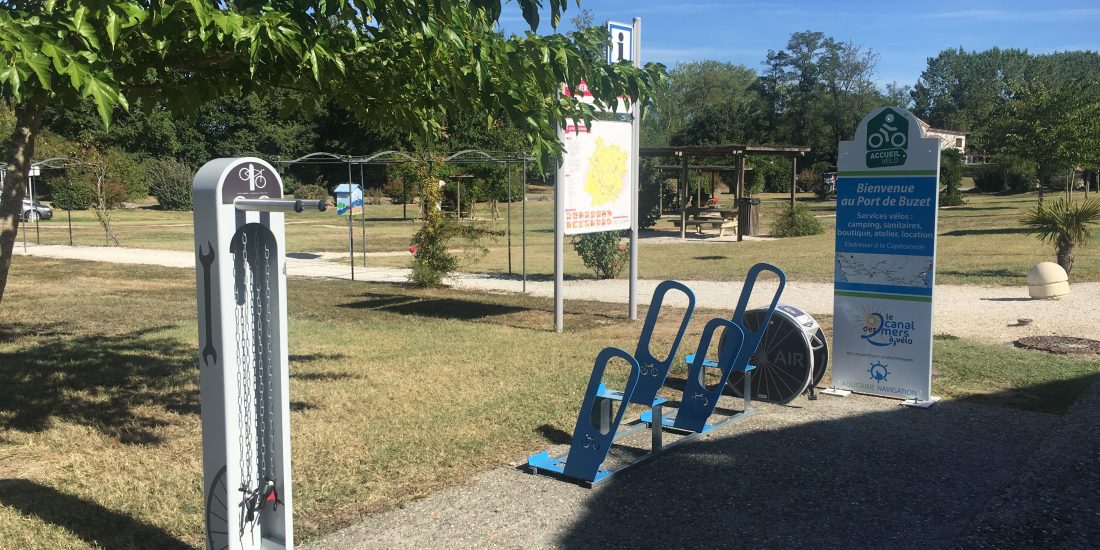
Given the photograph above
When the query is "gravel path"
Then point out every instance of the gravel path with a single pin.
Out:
(858, 472)
(987, 314)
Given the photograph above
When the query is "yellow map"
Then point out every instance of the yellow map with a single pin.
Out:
(606, 169)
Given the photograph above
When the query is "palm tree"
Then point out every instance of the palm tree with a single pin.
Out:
(1065, 224)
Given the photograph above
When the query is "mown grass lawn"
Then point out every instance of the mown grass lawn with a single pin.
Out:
(396, 392)
(981, 242)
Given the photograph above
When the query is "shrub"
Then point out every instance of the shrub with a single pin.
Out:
(1009, 175)
(114, 192)
(290, 184)
(468, 190)
(777, 173)
(311, 192)
(795, 222)
(951, 164)
(755, 181)
(71, 193)
(401, 190)
(649, 190)
(602, 252)
(808, 179)
(132, 175)
(373, 196)
(170, 183)
(432, 261)
(701, 186)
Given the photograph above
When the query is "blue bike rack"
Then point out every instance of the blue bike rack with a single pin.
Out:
(592, 438)
(596, 430)
(654, 371)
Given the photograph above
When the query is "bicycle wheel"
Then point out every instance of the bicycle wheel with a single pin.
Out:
(217, 513)
(784, 359)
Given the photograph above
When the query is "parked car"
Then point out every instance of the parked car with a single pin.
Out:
(36, 211)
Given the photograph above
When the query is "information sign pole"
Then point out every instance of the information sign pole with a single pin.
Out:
(636, 115)
(559, 242)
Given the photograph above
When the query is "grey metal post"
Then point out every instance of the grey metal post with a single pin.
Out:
(363, 213)
(794, 178)
(634, 188)
(351, 235)
(37, 231)
(523, 228)
(509, 213)
(657, 429)
(69, 213)
(559, 242)
(404, 199)
(683, 195)
(741, 218)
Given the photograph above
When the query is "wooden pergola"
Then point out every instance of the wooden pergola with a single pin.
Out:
(686, 152)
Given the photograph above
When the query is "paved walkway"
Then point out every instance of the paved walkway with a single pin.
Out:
(987, 314)
(858, 472)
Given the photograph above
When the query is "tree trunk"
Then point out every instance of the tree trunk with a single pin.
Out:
(1064, 250)
(20, 154)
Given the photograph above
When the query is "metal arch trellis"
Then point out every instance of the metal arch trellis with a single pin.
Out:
(52, 163)
(465, 156)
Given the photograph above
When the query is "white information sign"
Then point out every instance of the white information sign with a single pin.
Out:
(885, 264)
(622, 38)
(597, 169)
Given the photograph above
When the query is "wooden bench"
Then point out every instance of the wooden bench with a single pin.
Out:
(721, 224)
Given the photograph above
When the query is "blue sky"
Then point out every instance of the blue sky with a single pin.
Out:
(905, 34)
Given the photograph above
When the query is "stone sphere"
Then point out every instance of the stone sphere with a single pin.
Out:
(1047, 280)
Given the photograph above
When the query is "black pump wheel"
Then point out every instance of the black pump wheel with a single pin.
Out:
(784, 360)
(820, 345)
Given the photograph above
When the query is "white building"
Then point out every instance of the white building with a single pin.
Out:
(949, 139)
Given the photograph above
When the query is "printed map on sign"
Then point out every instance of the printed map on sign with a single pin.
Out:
(597, 177)
(884, 269)
(606, 173)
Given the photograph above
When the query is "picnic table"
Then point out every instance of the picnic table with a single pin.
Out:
(711, 217)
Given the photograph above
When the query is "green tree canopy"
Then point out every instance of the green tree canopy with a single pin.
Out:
(398, 63)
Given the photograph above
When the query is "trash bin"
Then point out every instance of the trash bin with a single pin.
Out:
(748, 216)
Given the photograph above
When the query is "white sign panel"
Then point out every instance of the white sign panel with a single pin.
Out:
(622, 39)
(885, 263)
(597, 170)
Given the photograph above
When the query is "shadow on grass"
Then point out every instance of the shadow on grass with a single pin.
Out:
(91, 522)
(23, 330)
(1055, 396)
(325, 376)
(982, 273)
(445, 308)
(553, 435)
(96, 380)
(311, 357)
(997, 231)
(978, 208)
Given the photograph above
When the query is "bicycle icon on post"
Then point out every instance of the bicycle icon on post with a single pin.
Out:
(254, 176)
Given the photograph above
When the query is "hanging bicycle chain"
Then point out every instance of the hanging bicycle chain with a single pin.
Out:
(254, 379)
